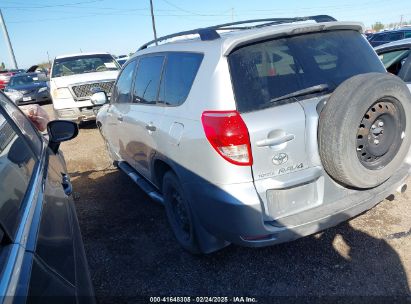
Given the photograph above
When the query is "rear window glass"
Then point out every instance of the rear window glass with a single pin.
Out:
(271, 69)
(179, 74)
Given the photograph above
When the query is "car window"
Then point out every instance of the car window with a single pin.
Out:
(267, 70)
(122, 92)
(17, 162)
(392, 57)
(179, 73)
(25, 125)
(148, 79)
(83, 64)
(395, 36)
(407, 35)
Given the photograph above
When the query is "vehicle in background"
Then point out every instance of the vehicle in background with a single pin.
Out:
(261, 135)
(73, 80)
(396, 57)
(121, 61)
(28, 88)
(389, 36)
(42, 253)
(5, 77)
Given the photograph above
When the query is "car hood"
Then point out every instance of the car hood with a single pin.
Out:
(27, 87)
(66, 81)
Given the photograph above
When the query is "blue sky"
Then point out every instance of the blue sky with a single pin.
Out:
(121, 26)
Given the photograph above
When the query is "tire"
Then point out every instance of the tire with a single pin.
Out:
(354, 149)
(179, 213)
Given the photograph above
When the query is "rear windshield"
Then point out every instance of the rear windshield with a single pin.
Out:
(83, 64)
(271, 69)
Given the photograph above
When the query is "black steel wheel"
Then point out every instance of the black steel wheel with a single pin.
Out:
(179, 213)
(380, 133)
(364, 131)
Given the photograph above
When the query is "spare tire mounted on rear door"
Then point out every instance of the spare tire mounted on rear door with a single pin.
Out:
(364, 129)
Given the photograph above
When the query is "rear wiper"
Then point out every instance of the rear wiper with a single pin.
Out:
(314, 89)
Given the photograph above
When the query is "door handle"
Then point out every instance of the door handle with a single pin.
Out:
(120, 118)
(275, 141)
(66, 183)
(151, 127)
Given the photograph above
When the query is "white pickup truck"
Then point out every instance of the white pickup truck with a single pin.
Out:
(73, 80)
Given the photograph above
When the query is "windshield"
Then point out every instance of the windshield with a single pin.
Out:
(264, 71)
(83, 64)
(25, 80)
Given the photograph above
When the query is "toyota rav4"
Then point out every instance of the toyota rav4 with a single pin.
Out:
(259, 132)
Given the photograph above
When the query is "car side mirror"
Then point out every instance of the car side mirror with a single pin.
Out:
(59, 131)
(99, 98)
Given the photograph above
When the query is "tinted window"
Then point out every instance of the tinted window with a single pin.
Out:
(407, 35)
(395, 36)
(179, 73)
(267, 70)
(16, 167)
(124, 83)
(148, 79)
(23, 123)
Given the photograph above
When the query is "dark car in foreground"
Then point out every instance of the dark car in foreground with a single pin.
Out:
(28, 88)
(389, 36)
(42, 258)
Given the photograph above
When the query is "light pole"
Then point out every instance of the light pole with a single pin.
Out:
(6, 35)
(153, 21)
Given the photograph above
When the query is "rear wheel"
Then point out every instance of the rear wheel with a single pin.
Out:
(179, 213)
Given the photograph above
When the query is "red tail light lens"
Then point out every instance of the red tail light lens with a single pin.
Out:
(228, 134)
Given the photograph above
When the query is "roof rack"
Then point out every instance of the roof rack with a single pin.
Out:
(210, 33)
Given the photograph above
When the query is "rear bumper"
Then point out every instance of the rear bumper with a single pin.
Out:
(234, 213)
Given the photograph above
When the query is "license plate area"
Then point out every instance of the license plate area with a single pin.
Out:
(27, 98)
(289, 201)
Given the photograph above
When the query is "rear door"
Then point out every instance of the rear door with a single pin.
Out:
(283, 130)
(143, 116)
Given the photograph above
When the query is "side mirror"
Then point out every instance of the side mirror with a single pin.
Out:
(59, 131)
(99, 98)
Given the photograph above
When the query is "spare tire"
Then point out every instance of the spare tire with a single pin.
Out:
(364, 129)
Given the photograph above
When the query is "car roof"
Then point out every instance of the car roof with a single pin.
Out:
(81, 54)
(27, 74)
(229, 40)
(398, 43)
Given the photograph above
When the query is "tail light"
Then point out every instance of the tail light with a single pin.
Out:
(228, 134)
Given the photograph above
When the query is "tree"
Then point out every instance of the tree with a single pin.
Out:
(2, 66)
(378, 26)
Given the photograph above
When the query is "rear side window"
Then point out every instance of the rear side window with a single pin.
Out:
(17, 162)
(271, 69)
(407, 35)
(122, 93)
(148, 79)
(395, 36)
(179, 73)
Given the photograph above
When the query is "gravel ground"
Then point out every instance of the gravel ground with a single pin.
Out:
(132, 252)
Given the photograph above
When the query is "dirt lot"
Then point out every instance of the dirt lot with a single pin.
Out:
(132, 252)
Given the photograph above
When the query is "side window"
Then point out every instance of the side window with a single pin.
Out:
(407, 35)
(393, 60)
(179, 74)
(148, 79)
(17, 162)
(23, 122)
(122, 92)
(395, 36)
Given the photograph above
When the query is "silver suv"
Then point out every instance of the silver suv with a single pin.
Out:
(259, 132)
